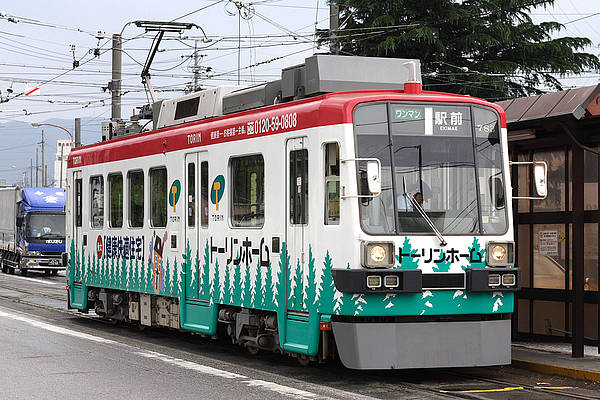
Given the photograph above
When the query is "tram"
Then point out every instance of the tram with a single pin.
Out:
(340, 212)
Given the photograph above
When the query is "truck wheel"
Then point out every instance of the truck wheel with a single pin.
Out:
(11, 270)
(23, 272)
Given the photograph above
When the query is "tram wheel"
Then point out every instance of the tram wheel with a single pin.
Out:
(303, 360)
(23, 272)
(253, 350)
(46, 272)
(4, 267)
(54, 272)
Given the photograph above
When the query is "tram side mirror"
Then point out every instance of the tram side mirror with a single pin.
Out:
(497, 192)
(540, 176)
(374, 177)
(19, 221)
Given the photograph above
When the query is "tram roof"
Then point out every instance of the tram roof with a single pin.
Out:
(323, 110)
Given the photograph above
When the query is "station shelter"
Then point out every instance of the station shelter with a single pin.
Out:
(557, 239)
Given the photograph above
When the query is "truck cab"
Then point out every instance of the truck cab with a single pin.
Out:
(40, 224)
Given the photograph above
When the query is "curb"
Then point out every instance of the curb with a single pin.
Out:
(557, 370)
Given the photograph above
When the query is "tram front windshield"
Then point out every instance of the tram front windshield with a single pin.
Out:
(446, 159)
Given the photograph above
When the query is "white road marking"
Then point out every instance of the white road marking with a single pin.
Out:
(56, 329)
(33, 280)
(203, 369)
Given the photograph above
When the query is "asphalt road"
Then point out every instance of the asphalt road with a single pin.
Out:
(49, 352)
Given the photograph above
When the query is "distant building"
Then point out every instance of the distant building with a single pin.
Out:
(63, 148)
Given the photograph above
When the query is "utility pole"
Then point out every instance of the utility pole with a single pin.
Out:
(334, 25)
(37, 168)
(31, 172)
(43, 161)
(196, 72)
(45, 175)
(78, 131)
(116, 77)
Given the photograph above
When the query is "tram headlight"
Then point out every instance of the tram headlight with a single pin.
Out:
(378, 255)
(509, 280)
(500, 254)
(373, 281)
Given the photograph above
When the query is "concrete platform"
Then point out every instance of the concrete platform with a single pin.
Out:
(555, 359)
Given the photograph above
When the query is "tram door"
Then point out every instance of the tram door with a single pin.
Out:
(77, 209)
(191, 225)
(297, 223)
(196, 220)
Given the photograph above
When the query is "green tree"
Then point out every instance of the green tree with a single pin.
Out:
(485, 48)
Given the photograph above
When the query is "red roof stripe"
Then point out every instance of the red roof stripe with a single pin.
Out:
(324, 110)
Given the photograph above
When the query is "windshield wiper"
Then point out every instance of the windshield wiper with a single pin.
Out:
(417, 206)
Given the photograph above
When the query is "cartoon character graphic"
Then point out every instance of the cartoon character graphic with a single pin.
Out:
(158, 271)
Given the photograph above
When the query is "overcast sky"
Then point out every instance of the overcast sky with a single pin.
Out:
(275, 34)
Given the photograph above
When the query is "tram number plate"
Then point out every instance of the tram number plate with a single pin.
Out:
(54, 262)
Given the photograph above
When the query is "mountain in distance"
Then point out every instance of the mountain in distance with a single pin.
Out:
(18, 142)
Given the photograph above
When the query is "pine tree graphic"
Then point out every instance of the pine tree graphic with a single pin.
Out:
(214, 284)
(225, 285)
(85, 275)
(293, 277)
(179, 277)
(477, 255)
(166, 277)
(232, 283)
(278, 292)
(253, 282)
(265, 288)
(407, 262)
(311, 286)
(443, 266)
(268, 289)
(246, 289)
(204, 271)
(326, 299)
(298, 296)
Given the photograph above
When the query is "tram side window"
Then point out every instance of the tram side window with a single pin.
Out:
(204, 194)
(332, 184)
(158, 197)
(248, 191)
(136, 199)
(299, 187)
(115, 186)
(97, 201)
(78, 202)
(191, 194)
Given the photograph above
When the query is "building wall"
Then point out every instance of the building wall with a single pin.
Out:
(65, 146)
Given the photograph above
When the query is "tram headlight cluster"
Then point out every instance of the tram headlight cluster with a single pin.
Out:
(500, 254)
(378, 255)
